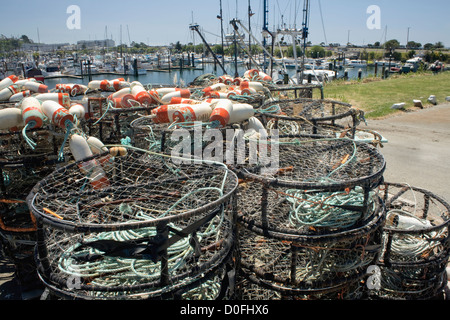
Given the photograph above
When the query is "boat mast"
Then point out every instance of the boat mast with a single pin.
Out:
(265, 29)
(221, 32)
(250, 14)
(304, 32)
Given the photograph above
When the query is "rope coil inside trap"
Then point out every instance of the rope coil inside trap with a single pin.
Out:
(416, 243)
(313, 226)
(156, 229)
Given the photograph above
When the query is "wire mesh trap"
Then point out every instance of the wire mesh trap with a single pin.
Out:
(21, 167)
(110, 124)
(284, 92)
(312, 225)
(253, 287)
(314, 267)
(415, 243)
(157, 229)
(196, 140)
(303, 115)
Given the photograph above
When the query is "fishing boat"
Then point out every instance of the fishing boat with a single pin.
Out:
(411, 65)
(357, 64)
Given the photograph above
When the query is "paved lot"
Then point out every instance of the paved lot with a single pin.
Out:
(418, 148)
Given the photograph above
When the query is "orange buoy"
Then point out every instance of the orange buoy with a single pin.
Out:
(141, 95)
(221, 113)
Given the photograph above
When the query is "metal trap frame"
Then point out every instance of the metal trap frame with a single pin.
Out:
(416, 244)
(157, 230)
(314, 116)
(311, 257)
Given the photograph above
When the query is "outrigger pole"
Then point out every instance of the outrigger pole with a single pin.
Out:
(195, 28)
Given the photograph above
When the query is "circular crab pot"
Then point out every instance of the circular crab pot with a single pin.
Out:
(315, 116)
(139, 225)
(415, 243)
(312, 223)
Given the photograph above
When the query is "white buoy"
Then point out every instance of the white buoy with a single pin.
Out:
(259, 130)
(404, 222)
(77, 110)
(241, 112)
(80, 150)
(97, 147)
(10, 118)
(19, 96)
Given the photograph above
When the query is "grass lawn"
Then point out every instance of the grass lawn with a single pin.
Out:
(376, 97)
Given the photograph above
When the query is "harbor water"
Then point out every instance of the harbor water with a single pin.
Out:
(183, 77)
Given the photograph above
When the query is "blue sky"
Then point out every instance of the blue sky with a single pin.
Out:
(164, 22)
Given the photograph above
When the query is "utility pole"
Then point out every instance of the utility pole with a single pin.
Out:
(407, 38)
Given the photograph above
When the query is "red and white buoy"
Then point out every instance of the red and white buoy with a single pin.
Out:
(57, 114)
(141, 95)
(181, 113)
(8, 92)
(221, 113)
(32, 116)
(35, 86)
(61, 98)
(10, 80)
(19, 96)
(184, 93)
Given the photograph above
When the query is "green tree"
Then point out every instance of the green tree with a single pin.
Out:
(25, 39)
(317, 52)
(218, 49)
(178, 47)
(438, 45)
(392, 44)
(413, 45)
